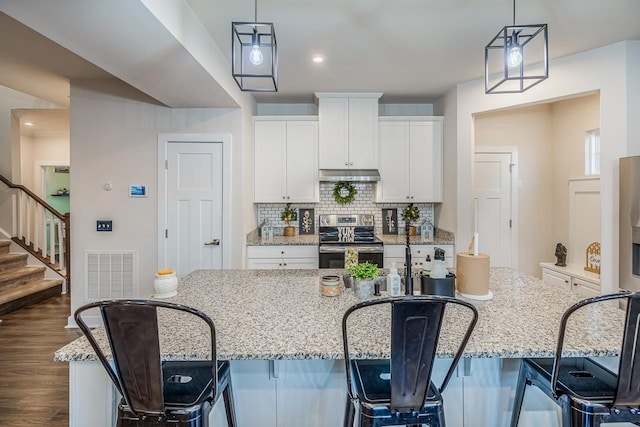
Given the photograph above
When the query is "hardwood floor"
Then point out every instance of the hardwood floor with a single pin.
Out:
(34, 390)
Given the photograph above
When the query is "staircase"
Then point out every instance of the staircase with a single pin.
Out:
(22, 285)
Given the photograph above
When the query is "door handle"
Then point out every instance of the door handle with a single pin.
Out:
(214, 242)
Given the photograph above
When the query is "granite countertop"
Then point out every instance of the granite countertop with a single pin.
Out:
(280, 314)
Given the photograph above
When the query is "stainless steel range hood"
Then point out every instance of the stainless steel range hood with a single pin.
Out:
(353, 175)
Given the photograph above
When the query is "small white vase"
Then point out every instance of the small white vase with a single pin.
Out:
(165, 285)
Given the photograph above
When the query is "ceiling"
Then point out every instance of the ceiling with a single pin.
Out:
(413, 51)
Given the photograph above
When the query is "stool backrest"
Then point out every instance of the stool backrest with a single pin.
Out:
(627, 390)
(131, 327)
(415, 329)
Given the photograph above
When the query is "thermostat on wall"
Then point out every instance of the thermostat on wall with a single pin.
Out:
(137, 191)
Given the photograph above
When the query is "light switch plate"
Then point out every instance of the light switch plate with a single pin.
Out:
(104, 225)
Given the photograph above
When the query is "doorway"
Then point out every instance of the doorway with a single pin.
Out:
(193, 202)
(495, 202)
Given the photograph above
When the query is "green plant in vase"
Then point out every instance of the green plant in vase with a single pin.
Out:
(289, 214)
(411, 214)
(364, 274)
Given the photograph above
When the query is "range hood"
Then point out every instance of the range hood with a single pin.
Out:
(353, 175)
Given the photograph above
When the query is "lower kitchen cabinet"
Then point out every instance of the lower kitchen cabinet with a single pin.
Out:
(573, 278)
(282, 257)
(396, 253)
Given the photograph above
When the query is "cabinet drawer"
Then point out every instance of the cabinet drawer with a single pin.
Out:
(585, 288)
(282, 251)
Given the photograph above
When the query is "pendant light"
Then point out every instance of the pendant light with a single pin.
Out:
(504, 58)
(254, 55)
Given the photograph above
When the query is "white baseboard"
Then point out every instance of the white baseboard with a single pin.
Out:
(91, 321)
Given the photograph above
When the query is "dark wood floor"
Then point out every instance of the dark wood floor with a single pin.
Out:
(34, 390)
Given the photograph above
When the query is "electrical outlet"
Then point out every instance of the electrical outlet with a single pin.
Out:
(104, 225)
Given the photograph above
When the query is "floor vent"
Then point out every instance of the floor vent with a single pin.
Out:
(111, 274)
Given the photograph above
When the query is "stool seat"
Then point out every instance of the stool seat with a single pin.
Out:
(588, 393)
(179, 392)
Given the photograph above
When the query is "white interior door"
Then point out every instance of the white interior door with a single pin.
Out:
(492, 196)
(194, 206)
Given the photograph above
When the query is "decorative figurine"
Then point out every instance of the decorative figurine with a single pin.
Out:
(561, 255)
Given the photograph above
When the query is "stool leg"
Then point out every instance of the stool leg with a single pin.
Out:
(520, 388)
(229, 406)
(349, 412)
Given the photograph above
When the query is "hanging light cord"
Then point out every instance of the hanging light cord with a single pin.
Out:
(255, 11)
(514, 12)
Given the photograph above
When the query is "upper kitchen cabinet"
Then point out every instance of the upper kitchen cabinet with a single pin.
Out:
(348, 130)
(410, 160)
(286, 159)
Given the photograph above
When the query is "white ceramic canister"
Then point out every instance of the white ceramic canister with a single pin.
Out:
(165, 285)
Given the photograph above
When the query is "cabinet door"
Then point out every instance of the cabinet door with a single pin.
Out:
(363, 133)
(584, 288)
(425, 161)
(556, 278)
(333, 119)
(269, 161)
(265, 264)
(302, 162)
(393, 160)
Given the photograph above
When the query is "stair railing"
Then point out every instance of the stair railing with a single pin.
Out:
(40, 229)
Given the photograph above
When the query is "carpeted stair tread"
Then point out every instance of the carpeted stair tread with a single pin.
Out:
(17, 277)
(12, 261)
(29, 293)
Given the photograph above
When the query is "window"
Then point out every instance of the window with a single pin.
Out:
(592, 152)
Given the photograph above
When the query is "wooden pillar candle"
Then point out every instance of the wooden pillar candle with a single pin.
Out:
(472, 273)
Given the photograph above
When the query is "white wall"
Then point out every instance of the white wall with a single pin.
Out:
(608, 70)
(48, 149)
(446, 212)
(114, 139)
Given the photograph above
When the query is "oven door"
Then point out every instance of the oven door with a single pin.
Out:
(332, 256)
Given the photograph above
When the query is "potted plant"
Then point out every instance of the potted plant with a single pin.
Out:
(411, 214)
(289, 214)
(364, 274)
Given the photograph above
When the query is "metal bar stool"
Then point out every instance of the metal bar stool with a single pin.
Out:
(588, 393)
(399, 390)
(156, 393)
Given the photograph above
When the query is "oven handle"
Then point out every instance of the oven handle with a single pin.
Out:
(361, 249)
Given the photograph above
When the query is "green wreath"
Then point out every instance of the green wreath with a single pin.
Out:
(338, 190)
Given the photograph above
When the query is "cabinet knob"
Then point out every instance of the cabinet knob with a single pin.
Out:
(280, 264)
(285, 264)
(283, 197)
(346, 163)
(407, 197)
(282, 252)
(288, 197)
(351, 164)
(411, 197)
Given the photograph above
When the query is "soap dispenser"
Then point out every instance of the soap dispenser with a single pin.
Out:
(393, 281)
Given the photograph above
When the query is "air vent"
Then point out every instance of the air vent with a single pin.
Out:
(111, 274)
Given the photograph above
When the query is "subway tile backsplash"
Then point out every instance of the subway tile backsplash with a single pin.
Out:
(364, 203)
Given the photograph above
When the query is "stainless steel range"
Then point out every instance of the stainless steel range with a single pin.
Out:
(339, 232)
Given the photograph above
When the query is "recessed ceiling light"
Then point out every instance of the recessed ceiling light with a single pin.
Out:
(318, 59)
(28, 123)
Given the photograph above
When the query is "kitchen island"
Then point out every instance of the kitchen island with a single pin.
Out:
(284, 341)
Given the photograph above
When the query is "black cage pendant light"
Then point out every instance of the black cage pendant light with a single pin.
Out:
(517, 58)
(254, 55)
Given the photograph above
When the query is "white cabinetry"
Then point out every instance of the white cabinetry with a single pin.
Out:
(410, 159)
(285, 160)
(348, 130)
(282, 257)
(396, 253)
(572, 277)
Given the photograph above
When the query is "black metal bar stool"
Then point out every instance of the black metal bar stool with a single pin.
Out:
(156, 393)
(399, 390)
(588, 393)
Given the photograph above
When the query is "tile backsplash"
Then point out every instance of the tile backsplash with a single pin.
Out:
(364, 203)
